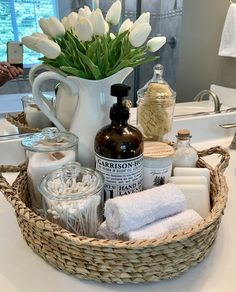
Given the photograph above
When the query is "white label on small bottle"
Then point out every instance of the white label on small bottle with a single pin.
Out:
(156, 176)
(122, 176)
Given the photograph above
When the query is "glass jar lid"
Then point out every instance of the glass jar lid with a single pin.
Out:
(71, 182)
(157, 89)
(49, 140)
(30, 99)
(154, 150)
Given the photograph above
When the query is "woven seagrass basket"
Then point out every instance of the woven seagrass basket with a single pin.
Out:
(119, 261)
(19, 121)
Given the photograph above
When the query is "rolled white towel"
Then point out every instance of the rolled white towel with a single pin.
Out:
(165, 226)
(133, 211)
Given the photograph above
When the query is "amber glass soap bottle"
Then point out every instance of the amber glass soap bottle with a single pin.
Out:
(119, 150)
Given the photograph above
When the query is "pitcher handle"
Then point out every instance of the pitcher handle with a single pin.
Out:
(41, 100)
(39, 67)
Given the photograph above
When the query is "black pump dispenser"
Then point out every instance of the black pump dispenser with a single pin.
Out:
(119, 111)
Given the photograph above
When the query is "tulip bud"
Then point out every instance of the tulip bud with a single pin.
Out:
(48, 48)
(39, 35)
(143, 18)
(154, 44)
(30, 43)
(85, 12)
(52, 27)
(83, 29)
(139, 34)
(69, 21)
(56, 27)
(126, 25)
(98, 22)
(43, 23)
(112, 36)
(114, 12)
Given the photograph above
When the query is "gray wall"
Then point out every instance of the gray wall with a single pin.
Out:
(199, 64)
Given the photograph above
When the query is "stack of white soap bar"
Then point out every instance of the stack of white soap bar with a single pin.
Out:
(195, 184)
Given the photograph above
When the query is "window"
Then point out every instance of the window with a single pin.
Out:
(19, 18)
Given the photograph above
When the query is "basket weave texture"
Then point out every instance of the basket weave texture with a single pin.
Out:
(19, 121)
(119, 261)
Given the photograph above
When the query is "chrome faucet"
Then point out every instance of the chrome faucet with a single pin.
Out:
(229, 126)
(215, 97)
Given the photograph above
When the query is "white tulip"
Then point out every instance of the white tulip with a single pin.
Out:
(48, 48)
(98, 22)
(139, 34)
(112, 36)
(85, 12)
(154, 44)
(52, 27)
(126, 25)
(56, 27)
(83, 29)
(113, 13)
(64, 22)
(30, 42)
(39, 35)
(43, 23)
(69, 21)
(143, 18)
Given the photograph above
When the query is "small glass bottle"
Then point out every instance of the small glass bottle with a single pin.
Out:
(156, 101)
(47, 151)
(119, 150)
(185, 155)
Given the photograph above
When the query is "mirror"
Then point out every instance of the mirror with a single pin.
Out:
(190, 57)
(199, 65)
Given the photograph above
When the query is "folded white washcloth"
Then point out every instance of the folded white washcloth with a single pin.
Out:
(228, 38)
(165, 226)
(133, 211)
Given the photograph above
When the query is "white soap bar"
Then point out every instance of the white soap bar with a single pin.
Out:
(193, 171)
(188, 180)
(197, 197)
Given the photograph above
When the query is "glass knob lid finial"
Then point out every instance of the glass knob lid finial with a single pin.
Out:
(71, 170)
(50, 132)
(158, 71)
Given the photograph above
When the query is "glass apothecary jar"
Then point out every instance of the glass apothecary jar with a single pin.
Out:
(156, 101)
(47, 151)
(34, 117)
(72, 198)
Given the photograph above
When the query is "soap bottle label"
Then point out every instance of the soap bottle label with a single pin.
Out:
(122, 176)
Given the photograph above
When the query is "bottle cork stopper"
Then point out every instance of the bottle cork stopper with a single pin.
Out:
(183, 134)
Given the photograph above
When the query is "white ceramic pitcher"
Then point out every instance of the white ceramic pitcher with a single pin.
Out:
(92, 111)
(62, 109)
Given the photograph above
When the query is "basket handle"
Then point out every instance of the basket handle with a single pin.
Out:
(5, 187)
(224, 160)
